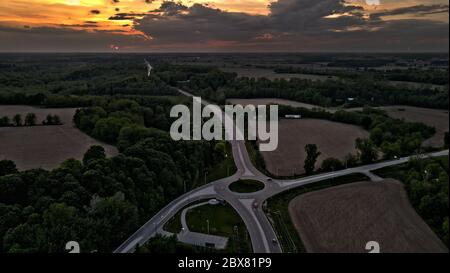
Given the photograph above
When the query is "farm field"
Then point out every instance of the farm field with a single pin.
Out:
(44, 146)
(270, 74)
(271, 101)
(416, 84)
(332, 139)
(344, 218)
(433, 117)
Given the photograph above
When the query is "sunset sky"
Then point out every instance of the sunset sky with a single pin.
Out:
(223, 25)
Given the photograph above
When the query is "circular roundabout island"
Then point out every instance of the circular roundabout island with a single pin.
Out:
(246, 186)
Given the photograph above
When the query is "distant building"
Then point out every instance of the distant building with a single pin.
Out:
(293, 116)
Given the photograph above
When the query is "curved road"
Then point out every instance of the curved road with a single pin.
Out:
(248, 206)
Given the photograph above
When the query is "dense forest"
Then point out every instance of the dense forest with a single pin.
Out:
(100, 201)
(122, 121)
(81, 75)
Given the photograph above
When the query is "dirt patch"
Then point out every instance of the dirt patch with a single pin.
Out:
(44, 146)
(345, 218)
(332, 139)
(432, 117)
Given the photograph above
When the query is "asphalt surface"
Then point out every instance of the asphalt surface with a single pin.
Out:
(248, 206)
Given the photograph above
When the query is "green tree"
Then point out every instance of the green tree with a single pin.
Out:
(56, 120)
(116, 218)
(391, 150)
(25, 238)
(445, 229)
(446, 139)
(160, 245)
(376, 135)
(350, 160)
(4, 121)
(367, 150)
(52, 120)
(221, 147)
(30, 119)
(17, 119)
(311, 157)
(7, 167)
(108, 129)
(60, 224)
(331, 164)
(131, 135)
(95, 152)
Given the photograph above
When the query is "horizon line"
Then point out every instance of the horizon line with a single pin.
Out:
(226, 52)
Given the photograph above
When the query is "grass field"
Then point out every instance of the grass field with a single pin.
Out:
(174, 224)
(44, 146)
(332, 139)
(277, 210)
(343, 219)
(223, 221)
(246, 186)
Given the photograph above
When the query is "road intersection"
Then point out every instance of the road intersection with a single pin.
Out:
(248, 206)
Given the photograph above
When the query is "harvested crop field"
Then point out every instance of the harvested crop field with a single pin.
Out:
(332, 139)
(345, 218)
(271, 101)
(44, 146)
(270, 74)
(433, 117)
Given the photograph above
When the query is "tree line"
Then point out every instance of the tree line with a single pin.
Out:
(218, 86)
(427, 76)
(29, 120)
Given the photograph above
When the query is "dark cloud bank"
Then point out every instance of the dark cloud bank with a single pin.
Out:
(292, 25)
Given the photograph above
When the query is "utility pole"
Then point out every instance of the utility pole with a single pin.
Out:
(207, 225)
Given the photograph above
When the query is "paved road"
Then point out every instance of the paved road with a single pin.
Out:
(248, 206)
